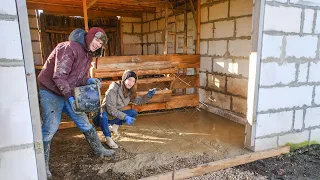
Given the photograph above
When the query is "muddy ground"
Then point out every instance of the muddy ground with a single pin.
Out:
(71, 158)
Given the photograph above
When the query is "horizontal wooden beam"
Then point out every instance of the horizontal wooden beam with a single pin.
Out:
(221, 164)
(69, 10)
(103, 74)
(137, 66)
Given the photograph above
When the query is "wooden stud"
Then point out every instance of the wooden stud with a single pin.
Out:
(185, 47)
(193, 12)
(85, 15)
(121, 36)
(221, 164)
(198, 27)
(166, 30)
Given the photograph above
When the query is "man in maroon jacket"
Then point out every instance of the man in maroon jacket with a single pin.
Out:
(67, 67)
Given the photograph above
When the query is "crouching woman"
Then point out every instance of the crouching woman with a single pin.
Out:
(118, 96)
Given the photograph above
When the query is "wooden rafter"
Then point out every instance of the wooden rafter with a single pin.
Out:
(91, 4)
(85, 15)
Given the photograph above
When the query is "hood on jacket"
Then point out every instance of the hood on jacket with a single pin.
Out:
(78, 35)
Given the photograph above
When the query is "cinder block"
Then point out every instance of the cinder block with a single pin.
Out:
(10, 39)
(190, 15)
(241, 67)
(268, 124)
(303, 72)
(204, 96)
(37, 59)
(23, 159)
(180, 26)
(130, 19)
(294, 138)
(222, 65)
(160, 49)
(180, 42)
(305, 46)
(159, 37)
(239, 105)
(204, 1)
(206, 64)
(171, 50)
(317, 95)
(218, 11)
(8, 7)
(282, 97)
(144, 17)
(36, 47)
(298, 119)
(271, 46)
(153, 26)
(190, 42)
(224, 29)
(243, 26)
(237, 86)
(15, 110)
(217, 82)
(308, 2)
(150, 16)
(144, 38)
(203, 47)
(191, 51)
(240, 7)
(145, 49)
(34, 35)
(308, 20)
(317, 28)
(314, 74)
(203, 79)
(128, 38)
(315, 135)
(152, 49)
(265, 143)
(240, 48)
(273, 73)
(218, 48)
(171, 19)
(132, 49)
(312, 117)
(180, 17)
(161, 24)
(33, 22)
(172, 27)
(276, 21)
(137, 27)
(31, 12)
(145, 27)
(151, 38)
(190, 24)
(204, 14)
(220, 100)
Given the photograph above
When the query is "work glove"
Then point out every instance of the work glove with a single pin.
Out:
(129, 120)
(94, 81)
(73, 104)
(152, 92)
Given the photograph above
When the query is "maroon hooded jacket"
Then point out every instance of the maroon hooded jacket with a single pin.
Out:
(68, 65)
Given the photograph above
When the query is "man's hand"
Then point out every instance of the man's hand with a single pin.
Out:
(94, 81)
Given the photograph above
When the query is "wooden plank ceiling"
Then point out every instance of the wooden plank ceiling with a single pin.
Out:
(100, 8)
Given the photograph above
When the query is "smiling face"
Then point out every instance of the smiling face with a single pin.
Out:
(95, 44)
(129, 82)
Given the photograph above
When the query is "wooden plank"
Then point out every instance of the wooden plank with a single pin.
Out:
(221, 164)
(103, 74)
(160, 96)
(185, 38)
(121, 37)
(185, 61)
(198, 27)
(85, 15)
(165, 48)
(138, 66)
(150, 107)
(91, 3)
(189, 100)
(186, 81)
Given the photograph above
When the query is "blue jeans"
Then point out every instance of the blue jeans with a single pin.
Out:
(52, 107)
(104, 125)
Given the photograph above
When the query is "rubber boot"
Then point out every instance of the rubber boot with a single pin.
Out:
(46, 149)
(111, 143)
(95, 144)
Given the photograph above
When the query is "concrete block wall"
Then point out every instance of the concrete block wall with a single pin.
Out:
(288, 108)
(153, 32)
(225, 46)
(132, 35)
(17, 153)
(35, 36)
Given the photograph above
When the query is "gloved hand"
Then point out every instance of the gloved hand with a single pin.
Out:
(94, 81)
(129, 120)
(152, 92)
(72, 103)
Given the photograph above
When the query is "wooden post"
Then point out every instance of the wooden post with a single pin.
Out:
(85, 15)
(193, 11)
(121, 37)
(198, 27)
(185, 48)
(166, 30)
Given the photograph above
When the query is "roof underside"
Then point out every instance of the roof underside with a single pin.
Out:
(102, 8)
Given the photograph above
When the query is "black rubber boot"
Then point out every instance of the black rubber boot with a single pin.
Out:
(95, 144)
(46, 149)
